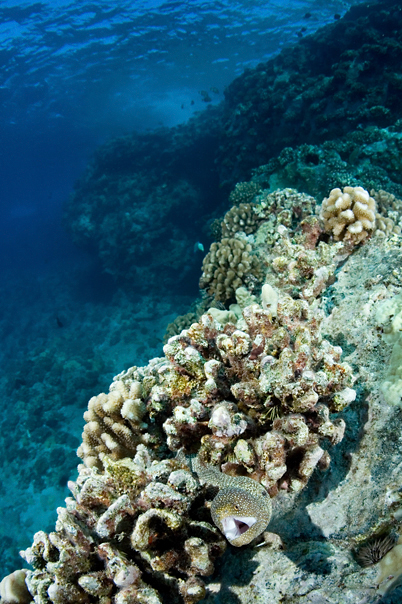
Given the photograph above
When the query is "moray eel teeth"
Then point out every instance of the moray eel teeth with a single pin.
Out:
(234, 526)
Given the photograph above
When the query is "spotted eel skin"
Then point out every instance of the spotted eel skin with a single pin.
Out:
(242, 508)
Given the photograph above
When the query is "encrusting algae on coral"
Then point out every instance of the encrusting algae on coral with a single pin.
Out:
(252, 391)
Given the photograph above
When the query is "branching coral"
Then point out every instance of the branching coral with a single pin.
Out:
(271, 368)
(113, 423)
(389, 219)
(387, 203)
(121, 526)
(349, 215)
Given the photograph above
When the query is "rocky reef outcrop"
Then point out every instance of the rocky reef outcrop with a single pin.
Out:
(283, 387)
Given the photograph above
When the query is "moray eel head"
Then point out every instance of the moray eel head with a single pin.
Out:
(240, 515)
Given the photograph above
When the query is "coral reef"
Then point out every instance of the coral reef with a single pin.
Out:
(243, 193)
(349, 215)
(241, 218)
(228, 265)
(47, 380)
(129, 522)
(361, 496)
(250, 390)
(261, 385)
(237, 261)
(259, 394)
(137, 206)
(369, 158)
(268, 369)
(314, 118)
(221, 383)
(323, 88)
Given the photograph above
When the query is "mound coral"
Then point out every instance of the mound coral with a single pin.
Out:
(241, 218)
(13, 589)
(228, 265)
(244, 192)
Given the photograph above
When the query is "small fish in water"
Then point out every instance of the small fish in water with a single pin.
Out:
(242, 509)
(198, 247)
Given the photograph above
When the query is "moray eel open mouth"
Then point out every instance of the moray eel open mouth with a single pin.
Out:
(242, 508)
(234, 526)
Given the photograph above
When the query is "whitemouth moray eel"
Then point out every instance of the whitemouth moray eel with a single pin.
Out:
(242, 508)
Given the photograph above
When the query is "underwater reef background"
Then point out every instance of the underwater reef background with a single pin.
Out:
(325, 110)
(322, 114)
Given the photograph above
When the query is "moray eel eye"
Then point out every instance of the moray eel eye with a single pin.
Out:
(234, 526)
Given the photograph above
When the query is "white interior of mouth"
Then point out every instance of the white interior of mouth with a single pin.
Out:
(234, 526)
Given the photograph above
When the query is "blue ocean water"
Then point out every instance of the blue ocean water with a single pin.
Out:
(73, 75)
